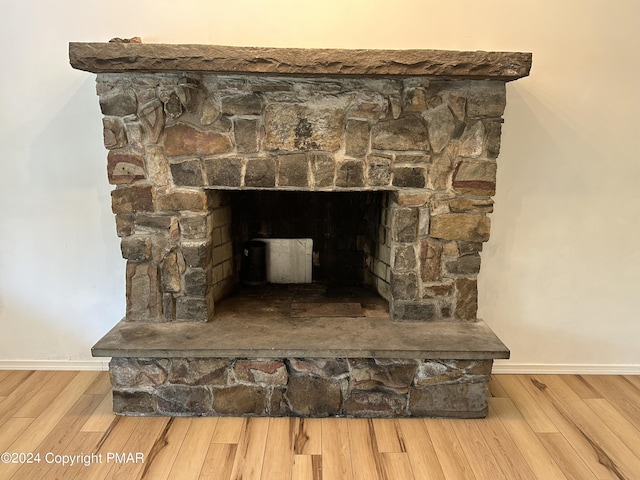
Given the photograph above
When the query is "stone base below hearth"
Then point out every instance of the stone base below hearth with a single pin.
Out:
(259, 357)
(307, 387)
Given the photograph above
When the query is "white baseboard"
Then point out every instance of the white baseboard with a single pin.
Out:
(501, 366)
(87, 365)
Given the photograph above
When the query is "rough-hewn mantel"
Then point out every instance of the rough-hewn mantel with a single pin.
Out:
(139, 57)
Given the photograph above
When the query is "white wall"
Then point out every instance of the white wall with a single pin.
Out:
(562, 270)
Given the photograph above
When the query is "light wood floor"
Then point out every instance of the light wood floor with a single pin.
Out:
(539, 427)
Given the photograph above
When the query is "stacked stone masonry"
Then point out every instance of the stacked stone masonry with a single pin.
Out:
(318, 387)
(178, 142)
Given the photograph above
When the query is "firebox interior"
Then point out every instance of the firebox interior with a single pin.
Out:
(347, 229)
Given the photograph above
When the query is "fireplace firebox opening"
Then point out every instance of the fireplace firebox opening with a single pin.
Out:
(346, 229)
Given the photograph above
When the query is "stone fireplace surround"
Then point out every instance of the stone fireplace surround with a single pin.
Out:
(188, 127)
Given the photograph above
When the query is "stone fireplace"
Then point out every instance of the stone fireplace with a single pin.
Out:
(384, 160)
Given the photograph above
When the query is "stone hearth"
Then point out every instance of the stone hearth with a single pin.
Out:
(385, 159)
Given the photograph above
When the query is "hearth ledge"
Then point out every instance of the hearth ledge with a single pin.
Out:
(303, 338)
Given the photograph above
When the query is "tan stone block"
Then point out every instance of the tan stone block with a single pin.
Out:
(412, 198)
(113, 131)
(415, 99)
(450, 249)
(411, 159)
(240, 400)
(440, 171)
(210, 110)
(471, 205)
(460, 226)
(295, 127)
(472, 141)
(132, 198)
(144, 298)
(475, 178)
(182, 139)
(172, 270)
(405, 133)
(157, 166)
(176, 199)
(151, 117)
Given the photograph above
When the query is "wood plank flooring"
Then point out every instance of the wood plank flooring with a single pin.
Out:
(58, 425)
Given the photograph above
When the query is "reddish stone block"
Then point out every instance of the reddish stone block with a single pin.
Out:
(467, 305)
(261, 372)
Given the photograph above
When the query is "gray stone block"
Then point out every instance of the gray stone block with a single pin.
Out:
(246, 135)
(313, 396)
(223, 172)
(260, 172)
(188, 173)
(413, 311)
(119, 102)
(133, 402)
(184, 400)
(138, 373)
(378, 404)
(409, 177)
(293, 170)
(461, 400)
(405, 225)
(350, 173)
(323, 167)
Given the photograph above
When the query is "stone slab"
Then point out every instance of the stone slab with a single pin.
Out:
(311, 309)
(282, 337)
(138, 57)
